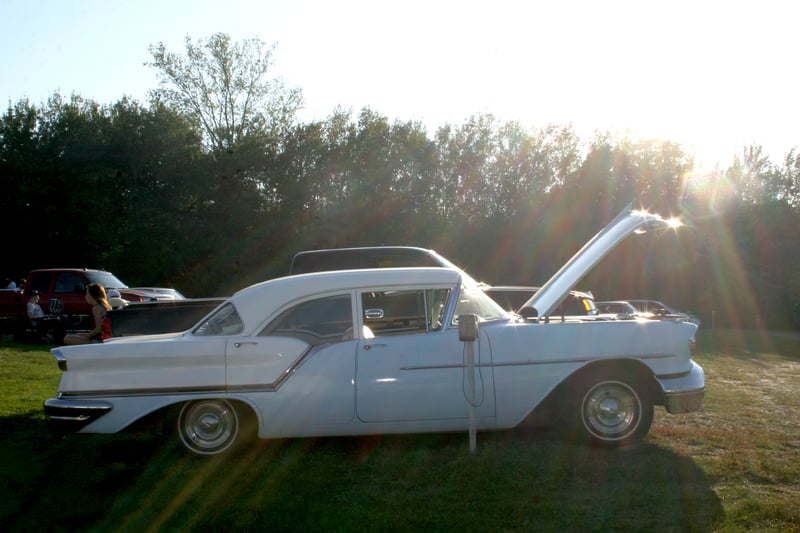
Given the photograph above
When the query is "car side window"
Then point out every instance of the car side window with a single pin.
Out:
(67, 282)
(315, 321)
(404, 312)
(225, 321)
(40, 282)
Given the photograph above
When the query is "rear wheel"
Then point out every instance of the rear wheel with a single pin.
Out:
(614, 412)
(208, 427)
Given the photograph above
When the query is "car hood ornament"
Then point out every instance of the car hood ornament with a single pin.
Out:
(552, 293)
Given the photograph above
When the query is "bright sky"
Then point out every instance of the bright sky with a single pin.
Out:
(712, 75)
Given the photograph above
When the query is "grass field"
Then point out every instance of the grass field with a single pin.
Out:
(734, 466)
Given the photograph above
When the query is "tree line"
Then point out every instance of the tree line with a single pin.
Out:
(214, 184)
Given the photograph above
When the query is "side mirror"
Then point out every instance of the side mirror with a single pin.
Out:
(79, 289)
(467, 328)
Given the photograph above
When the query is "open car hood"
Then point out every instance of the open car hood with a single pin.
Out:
(552, 293)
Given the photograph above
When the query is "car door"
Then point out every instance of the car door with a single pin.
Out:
(69, 287)
(304, 359)
(413, 369)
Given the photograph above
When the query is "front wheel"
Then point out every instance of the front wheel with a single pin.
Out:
(614, 412)
(208, 427)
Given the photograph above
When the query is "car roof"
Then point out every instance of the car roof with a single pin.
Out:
(69, 270)
(615, 302)
(289, 288)
(366, 257)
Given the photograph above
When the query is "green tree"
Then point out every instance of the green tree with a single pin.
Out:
(244, 116)
(160, 189)
(224, 86)
(789, 184)
(20, 171)
(752, 173)
(371, 181)
(465, 154)
(66, 180)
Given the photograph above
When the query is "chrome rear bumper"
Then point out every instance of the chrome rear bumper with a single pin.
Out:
(72, 415)
(684, 393)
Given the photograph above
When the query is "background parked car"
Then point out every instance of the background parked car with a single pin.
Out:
(656, 309)
(616, 310)
(154, 294)
(512, 297)
(161, 316)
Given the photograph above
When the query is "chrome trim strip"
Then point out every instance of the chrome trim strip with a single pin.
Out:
(682, 393)
(78, 418)
(87, 406)
(440, 367)
(123, 393)
(542, 362)
(676, 375)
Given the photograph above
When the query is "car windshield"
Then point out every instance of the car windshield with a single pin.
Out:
(474, 301)
(106, 279)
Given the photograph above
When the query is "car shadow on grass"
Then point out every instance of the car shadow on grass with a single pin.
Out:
(515, 482)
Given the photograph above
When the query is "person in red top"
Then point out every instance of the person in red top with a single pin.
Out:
(96, 297)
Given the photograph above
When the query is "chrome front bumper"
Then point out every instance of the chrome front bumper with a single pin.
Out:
(684, 393)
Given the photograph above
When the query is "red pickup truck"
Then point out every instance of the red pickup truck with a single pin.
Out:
(62, 293)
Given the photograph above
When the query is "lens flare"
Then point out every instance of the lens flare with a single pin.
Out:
(707, 195)
(674, 223)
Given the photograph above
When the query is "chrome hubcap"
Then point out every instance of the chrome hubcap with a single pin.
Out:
(610, 410)
(208, 427)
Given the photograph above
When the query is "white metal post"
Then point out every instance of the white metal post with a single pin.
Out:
(468, 334)
(473, 440)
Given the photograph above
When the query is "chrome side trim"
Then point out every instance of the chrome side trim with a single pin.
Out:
(570, 360)
(73, 396)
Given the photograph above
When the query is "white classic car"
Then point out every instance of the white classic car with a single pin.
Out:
(361, 352)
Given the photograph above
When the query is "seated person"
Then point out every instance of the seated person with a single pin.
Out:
(46, 327)
(35, 312)
(97, 298)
